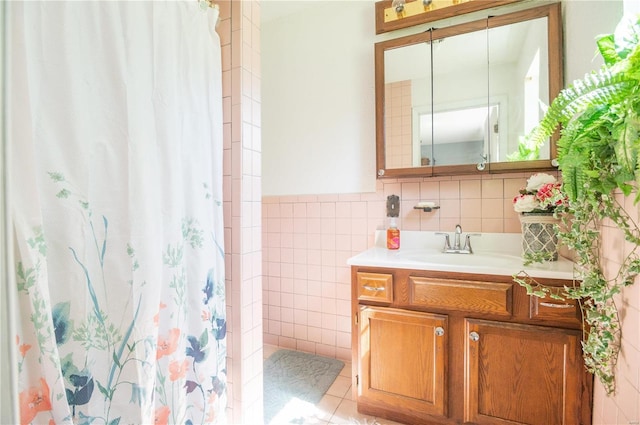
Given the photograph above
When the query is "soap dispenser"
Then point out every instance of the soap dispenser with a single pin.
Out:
(393, 233)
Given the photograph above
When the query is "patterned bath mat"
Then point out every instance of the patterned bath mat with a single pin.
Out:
(292, 376)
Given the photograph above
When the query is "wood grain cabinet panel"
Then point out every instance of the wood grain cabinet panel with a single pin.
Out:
(465, 295)
(521, 374)
(403, 357)
(376, 287)
(547, 308)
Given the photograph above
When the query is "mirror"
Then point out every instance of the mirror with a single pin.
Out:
(460, 99)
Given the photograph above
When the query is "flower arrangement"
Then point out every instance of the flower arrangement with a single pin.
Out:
(541, 195)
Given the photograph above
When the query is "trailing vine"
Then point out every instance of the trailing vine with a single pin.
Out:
(599, 156)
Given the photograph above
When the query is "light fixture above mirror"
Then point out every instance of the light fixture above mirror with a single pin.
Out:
(396, 14)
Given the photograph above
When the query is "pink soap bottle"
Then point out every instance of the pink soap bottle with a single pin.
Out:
(393, 234)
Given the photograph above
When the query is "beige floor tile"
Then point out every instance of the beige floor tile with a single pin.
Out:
(346, 370)
(349, 394)
(340, 386)
(347, 414)
(300, 412)
(327, 407)
(268, 350)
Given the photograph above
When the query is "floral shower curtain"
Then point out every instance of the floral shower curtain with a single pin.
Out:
(115, 190)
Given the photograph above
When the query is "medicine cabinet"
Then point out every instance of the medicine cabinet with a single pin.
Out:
(461, 99)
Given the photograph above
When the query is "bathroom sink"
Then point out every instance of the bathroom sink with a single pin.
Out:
(416, 254)
(475, 260)
(493, 253)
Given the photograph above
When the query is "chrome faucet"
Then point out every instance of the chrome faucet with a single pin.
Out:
(457, 248)
(456, 237)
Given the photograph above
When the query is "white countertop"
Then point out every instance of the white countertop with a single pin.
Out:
(494, 253)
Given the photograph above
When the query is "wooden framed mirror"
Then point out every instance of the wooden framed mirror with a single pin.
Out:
(460, 99)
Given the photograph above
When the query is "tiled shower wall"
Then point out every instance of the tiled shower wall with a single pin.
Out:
(307, 240)
(239, 31)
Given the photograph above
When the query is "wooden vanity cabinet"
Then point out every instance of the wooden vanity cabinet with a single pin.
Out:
(453, 348)
(404, 353)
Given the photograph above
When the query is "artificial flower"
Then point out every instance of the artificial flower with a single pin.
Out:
(525, 203)
(538, 180)
(542, 194)
(548, 193)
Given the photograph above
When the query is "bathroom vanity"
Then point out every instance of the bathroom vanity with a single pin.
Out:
(451, 338)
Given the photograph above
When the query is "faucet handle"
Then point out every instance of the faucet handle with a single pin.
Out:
(467, 241)
(447, 244)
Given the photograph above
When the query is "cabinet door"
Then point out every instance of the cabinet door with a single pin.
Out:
(403, 360)
(522, 374)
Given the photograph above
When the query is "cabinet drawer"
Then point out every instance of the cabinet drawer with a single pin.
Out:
(461, 295)
(565, 311)
(376, 287)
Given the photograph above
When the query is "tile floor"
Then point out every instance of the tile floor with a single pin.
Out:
(337, 407)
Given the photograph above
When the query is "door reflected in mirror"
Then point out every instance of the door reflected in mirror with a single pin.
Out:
(459, 94)
(452, 100)
(461, 134)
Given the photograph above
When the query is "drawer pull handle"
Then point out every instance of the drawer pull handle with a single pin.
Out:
(474, 336)
(553, 305)
(372, 288)
(439, 331)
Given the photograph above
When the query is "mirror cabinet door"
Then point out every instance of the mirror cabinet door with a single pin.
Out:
(407, 87)
(519, 83)
(460, 111)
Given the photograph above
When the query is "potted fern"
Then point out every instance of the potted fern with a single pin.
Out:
(598, 154)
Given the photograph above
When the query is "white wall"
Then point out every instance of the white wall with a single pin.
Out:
(318, 120)
(318, 100)
(583, 21)
(631, 6)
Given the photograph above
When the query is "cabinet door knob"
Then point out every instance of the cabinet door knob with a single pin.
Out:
(474, 336)
(439, 331)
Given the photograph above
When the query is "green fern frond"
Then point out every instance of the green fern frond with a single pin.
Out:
(601, 88)
(607, 48)
(570, 182)
(633, 64)
(626, 135)
(627, 35)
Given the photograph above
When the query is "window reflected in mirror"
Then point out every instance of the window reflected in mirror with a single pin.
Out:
(518, 71)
